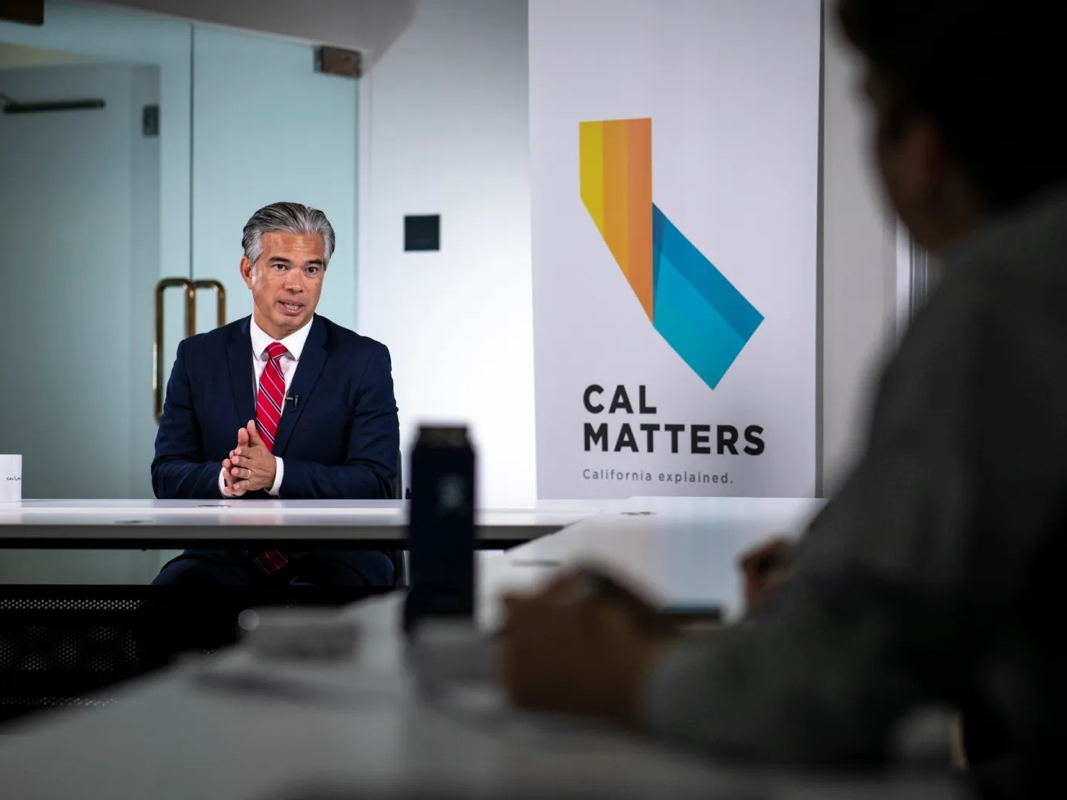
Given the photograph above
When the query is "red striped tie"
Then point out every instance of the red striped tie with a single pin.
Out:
(269, 403)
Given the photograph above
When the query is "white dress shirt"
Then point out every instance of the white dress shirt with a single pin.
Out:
(294, 343)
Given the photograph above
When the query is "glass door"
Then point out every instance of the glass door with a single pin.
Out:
(267, 127)
(121, 218)
(94, 204)
(133, 148)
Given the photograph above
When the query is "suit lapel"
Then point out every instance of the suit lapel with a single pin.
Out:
(312, 360)
(239, 355)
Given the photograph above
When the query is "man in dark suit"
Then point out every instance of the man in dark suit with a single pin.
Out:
(282, 404)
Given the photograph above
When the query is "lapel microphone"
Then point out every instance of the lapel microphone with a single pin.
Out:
(292, 402)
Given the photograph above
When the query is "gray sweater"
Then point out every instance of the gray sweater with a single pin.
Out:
(934, 575)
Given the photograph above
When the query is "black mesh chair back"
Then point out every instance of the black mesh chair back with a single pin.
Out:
(67, 645)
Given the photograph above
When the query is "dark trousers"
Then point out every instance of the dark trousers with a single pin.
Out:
(236, 568)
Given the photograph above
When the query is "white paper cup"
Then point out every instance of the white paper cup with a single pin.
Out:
(10, 479)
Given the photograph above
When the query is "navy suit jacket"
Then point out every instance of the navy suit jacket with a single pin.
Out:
(340, 441)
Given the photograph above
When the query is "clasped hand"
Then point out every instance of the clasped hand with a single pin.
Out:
(587, 644)
(576, 650)
(251, 465)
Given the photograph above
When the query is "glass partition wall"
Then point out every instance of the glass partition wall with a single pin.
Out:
(133, 148)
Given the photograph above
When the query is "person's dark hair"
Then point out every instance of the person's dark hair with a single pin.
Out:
(990, 74)
(286, 218)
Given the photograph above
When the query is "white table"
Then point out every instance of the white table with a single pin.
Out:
(682, 553)
(359, 728)
(174, 524)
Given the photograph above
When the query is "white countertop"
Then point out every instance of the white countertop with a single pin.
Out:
(180, 523)
(684, 555)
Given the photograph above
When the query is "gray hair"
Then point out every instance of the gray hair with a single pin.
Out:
(286, 218)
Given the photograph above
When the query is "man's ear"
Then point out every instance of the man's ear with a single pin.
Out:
(246, 271)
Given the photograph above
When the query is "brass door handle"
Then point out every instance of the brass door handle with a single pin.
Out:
(190, 288)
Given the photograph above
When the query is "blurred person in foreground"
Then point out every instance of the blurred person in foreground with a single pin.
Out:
(931, 578)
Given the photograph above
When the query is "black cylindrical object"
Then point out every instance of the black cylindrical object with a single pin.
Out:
(441, 526)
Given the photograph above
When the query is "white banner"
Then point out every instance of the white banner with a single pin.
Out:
(674, 148)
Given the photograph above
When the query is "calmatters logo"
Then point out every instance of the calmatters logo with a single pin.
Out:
(689, 302)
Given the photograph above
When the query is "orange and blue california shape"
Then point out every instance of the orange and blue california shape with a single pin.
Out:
(692, 305)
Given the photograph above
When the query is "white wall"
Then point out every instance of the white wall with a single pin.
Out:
(444, 129)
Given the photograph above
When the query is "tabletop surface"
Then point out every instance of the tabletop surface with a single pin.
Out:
(181, 521)
(683, 556)
(101, 521)
(238, 726)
